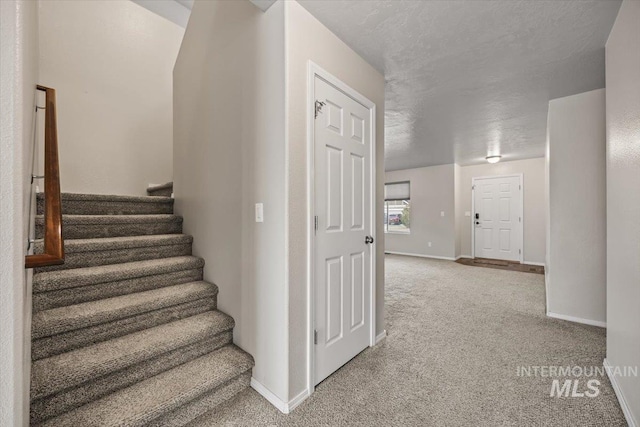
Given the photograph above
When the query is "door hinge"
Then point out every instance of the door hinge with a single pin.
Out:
(473, 187)
(519, 251)
(315, 224)
(315, 336)
(319, 105)
(519, 187)
(519, 219)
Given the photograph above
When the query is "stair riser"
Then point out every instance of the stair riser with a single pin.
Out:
(69, 399)
(190, 411)
(164, 192)
(91, 231)
(166, 398)
(105, 207)
(48, 324)
(116, 256)
(57, 344)
(65, 297)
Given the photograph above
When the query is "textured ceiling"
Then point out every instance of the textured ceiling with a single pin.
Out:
(470, 78)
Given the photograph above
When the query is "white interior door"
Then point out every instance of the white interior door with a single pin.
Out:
(343, 161)
(497, 219)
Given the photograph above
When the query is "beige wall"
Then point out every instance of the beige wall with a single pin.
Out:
(111, 63)
(229, 154)
(307, 39)
(457, 177)
(534, 203)
(447, 188)
(576, 276)
(432, 192)
(623, 201)
(18, 77)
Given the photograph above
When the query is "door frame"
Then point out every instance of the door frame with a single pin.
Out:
(313, 71)
(520, 176)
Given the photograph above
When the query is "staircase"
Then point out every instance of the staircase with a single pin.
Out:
(126, 332)
(165, 190)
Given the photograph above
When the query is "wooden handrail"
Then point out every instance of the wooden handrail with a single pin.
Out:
(53, 243)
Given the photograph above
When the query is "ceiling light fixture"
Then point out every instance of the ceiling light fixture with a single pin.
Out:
(493, 159)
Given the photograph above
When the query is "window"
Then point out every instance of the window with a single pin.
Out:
(397, 207)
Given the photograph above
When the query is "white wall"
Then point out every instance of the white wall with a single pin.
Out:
(307, 39)
(229, 153)
(432, 192)
(576, 274)
(18, 77)
(534, 203)
(111, 63)
(623, 202)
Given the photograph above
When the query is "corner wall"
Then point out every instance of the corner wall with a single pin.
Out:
(432, 193)
(18, 79)
(111, 64)
(577, 204)
(229, 153)
(307, 39)
(457, 177)
(623, 204)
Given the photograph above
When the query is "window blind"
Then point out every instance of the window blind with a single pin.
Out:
(397, 191)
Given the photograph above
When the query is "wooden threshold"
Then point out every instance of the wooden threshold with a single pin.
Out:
(501, 265)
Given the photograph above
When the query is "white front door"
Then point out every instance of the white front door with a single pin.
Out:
(497, 219)
(343, 161)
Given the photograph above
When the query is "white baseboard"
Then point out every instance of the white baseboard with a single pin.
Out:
(382, 335)
(420, 255)
(577, 319)
(464, 256)
(616, 388)
(267, 394)
(301, 397)
(282, 406)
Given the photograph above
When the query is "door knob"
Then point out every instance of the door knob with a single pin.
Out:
(368, 240)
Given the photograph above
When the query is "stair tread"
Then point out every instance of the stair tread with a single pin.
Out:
(77, 316)
(76, 277)
(73, 219)
(127, 242)
(164, 186)
(76, 367)
(111, 198)
(147, 400)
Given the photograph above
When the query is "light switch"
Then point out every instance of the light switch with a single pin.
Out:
(441, 213)
(429, 244)
(467, 213)
(259, 212)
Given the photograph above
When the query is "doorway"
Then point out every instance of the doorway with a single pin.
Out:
(342, 270)
(497, 221)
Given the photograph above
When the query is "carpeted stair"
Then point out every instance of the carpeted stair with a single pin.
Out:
(126, 332)
(164, 190)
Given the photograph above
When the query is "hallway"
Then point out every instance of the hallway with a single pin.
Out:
(456, 336)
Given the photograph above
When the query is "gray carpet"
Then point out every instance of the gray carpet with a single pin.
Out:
(163, 190)
(456, 336)
(126, 332)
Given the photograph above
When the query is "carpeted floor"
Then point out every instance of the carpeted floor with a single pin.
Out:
(456, 337)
